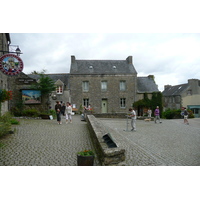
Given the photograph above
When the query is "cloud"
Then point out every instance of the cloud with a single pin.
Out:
(171, 58)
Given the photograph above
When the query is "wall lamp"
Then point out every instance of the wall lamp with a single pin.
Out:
(11, 48)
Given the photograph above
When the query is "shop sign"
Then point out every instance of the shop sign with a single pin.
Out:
(11, 64)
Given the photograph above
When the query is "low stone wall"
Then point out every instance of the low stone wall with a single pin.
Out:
(111, 115)
(107, 156)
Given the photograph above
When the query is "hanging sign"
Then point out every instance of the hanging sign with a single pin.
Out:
(11, 64)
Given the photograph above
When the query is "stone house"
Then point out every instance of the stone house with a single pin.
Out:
(4, 47)
(109, 86)
(183, 95)
(145, 85)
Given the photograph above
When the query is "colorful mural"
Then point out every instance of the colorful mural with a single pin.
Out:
(31, 96)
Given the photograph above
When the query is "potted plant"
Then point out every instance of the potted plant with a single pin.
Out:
(85, 158)
(45, 115)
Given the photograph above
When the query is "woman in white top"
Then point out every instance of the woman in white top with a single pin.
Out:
(68, 113)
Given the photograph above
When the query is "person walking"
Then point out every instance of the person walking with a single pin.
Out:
(133, 119)
(58, 112)
(157, 114)
(68, 113)
(185, 114)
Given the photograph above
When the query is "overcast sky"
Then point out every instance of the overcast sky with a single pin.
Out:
(172, 58)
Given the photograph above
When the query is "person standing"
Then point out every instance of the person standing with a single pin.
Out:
(68, 113)
(63, 109)
(149, 113)
(133, 119)
(157, 114)
(58, 112)
(185, 114)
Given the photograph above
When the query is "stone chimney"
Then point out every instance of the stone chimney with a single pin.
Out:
(129, 60)
(73, 59)
(151, 77)
(194, 85)
(167, 87)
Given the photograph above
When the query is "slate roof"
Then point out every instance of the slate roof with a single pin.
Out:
(64, 77)
(102, 67)
(175, 90)
(146, 84)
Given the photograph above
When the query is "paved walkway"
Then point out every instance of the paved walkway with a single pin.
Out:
(45, 143)
(170, 143)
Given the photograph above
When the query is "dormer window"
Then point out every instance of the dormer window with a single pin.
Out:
(90, 67)
(114, 67)
(59, 89)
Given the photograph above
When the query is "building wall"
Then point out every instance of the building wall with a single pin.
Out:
(191, 100)
(16, 84)
(3, 78)
(63, 98)
(95, 94)
(172, 102)
(140, 96)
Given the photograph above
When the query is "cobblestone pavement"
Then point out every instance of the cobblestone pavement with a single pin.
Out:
(45, 143)
(170, 143)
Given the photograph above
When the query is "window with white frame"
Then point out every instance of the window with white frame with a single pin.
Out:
(122, 102)
(86, 103)
(85, 86)
(59, 89)
(103, 85)
(122, 85)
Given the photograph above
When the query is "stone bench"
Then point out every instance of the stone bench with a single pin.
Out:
(108, 155)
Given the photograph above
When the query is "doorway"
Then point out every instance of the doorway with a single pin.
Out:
(104, 106)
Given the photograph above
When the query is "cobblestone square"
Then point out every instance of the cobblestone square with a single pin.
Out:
(45, 143)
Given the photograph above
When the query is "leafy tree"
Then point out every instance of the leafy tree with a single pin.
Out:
(45, 84)
(36, 72)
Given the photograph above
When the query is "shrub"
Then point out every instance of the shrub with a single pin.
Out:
(4, 128)
(14, 121)
(16, 111)
(175, 114)
(52, 112)
(5, 124)
(168, 114)
(30, 113)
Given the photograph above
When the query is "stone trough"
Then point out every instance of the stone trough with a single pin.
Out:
(107, 149)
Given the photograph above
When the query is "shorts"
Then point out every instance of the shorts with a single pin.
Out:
(185, 116)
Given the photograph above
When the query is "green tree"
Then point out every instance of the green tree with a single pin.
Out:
(45, 84)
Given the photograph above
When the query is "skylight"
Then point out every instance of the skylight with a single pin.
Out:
(179, 87)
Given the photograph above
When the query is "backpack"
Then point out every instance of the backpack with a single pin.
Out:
(185, 112)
